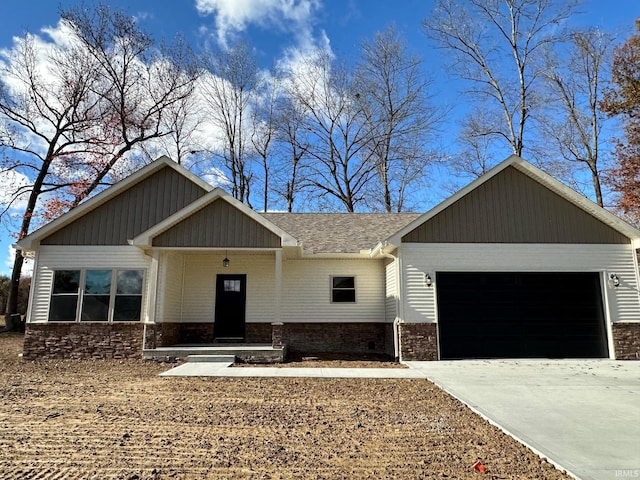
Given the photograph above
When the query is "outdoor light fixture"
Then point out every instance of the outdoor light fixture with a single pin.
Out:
(615, 280)
(427, 280)
(225, 261)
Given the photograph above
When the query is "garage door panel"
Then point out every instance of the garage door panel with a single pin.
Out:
(520, 315)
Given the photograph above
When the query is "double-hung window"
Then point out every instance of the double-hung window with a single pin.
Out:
(98, 295)
(343, 289)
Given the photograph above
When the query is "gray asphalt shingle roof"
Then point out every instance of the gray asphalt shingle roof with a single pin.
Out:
(340, 232)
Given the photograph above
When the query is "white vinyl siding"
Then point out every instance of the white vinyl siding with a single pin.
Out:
(391, 297)
(306, 291)
(170, 283)
(419, 259)
(52, 258)
(193, 299)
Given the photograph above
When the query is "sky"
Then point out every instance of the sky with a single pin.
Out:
(276, 28)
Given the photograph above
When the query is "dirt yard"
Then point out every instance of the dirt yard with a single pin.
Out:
(119, 420)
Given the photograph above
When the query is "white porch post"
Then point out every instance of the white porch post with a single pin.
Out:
(277, 314)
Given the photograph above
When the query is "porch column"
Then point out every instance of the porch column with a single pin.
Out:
(277, 314)
(152, 288)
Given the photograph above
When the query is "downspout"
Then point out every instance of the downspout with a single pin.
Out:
(396, 320)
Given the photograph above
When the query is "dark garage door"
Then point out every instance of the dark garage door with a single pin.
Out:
(520, 315)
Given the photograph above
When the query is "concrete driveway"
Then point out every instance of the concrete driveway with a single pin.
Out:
(582, 415)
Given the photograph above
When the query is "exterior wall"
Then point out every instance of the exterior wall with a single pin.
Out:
(622, 304)
(626, 340)
(338, 337)
(51, 258)
(391, 292)
(306, 291)
(418, 341)
(83, 340)
(170, 287)
(198, 296)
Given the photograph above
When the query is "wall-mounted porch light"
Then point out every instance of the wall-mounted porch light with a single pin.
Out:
(615, 280)
(225, 261)
(427, 280)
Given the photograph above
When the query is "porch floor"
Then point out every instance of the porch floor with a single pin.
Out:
(245, 352)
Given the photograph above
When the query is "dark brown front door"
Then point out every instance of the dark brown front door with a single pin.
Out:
(231, 296)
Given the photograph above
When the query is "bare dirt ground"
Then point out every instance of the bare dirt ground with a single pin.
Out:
(330, 360)
(119, 420)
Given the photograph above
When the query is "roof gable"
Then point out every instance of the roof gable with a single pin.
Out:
(517, 203)
(126, 208)
(216, 220)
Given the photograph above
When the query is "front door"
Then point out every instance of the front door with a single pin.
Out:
(231, 297)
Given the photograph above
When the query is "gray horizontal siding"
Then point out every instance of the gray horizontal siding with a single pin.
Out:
(219, 224)
(513, 208)
(131, 212)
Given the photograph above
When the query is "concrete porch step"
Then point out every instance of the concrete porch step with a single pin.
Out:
(229, 359)
(258, 353)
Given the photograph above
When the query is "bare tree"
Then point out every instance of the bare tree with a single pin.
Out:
(263, 131)
(393, 88)
(229, 85)
(293, 144)
(475, 157)
(71, 111)
(482, 35)
(139, 83)
(574, 121)
(341, 165)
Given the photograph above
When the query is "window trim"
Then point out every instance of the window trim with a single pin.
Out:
(354, 289)
(112, 294)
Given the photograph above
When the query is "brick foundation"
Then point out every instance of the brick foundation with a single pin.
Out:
(338, 337)
(165, 334)
(626, 340)
(83, 340)
(418, 341)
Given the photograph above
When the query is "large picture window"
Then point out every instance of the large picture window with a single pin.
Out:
(96, 295)
(343, 289)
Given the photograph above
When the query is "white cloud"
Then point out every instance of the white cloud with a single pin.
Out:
(12, 192)
(232, 16)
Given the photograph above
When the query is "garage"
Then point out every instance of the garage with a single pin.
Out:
(520, 315)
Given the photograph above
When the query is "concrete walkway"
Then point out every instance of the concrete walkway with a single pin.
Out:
(583, 416)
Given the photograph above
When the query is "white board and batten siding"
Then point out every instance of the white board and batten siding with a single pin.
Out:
(622, 303)
(306, 291)
(51, 258)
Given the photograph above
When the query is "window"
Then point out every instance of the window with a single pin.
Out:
(64, 296)
(106, 295)
(232, 285)
(128, 301)
(343, 289)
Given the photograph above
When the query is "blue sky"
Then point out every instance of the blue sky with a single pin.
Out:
(274, 27)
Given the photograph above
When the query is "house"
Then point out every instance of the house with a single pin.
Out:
(515, 265)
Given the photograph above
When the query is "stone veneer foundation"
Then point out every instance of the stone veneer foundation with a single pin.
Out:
(418, 341)
(626, 340)
(338, 337)
(82, 340)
